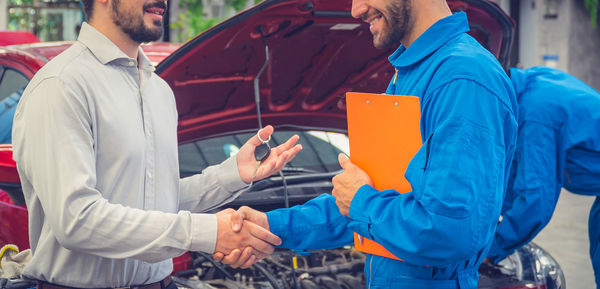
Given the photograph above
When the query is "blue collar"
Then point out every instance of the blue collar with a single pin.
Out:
(432, 39)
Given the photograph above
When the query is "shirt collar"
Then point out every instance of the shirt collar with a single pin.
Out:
(105, 50)
(431, 40)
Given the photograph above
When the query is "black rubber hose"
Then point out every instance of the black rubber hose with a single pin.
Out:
(268, 275)
(217, 265)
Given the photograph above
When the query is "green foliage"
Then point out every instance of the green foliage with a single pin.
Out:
(20, 2)
(21, 19)
(592, 7)
(192, 22)
(237, 5)
(190, 25)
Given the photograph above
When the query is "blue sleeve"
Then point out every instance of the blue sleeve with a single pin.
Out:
(529, 204)
(457, 178)
(317, 224)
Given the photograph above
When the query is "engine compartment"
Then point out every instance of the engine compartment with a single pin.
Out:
(332, 269)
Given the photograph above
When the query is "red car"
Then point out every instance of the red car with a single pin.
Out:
(8, 37)
(287, 63)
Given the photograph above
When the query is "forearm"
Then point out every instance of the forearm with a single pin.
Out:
(94, 226)
(317, 224)
(215, 186)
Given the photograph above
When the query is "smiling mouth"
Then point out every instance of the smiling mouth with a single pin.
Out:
(155, 10)
(375, 19)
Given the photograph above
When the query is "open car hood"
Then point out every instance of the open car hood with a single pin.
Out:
(316, 53)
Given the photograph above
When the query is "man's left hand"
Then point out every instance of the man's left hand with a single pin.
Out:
(278, 157)
(347, 183)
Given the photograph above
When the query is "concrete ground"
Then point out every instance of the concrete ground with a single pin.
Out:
(566, 238)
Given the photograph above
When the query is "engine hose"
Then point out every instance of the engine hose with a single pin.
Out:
(308, 284)
(328, 282)
(268, 275)
(349, 281)
(333, 269)
(217, 265)
(287, 205)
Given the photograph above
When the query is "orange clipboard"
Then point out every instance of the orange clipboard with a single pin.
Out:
(384, 135)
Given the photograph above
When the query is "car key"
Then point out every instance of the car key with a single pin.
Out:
(261, 152)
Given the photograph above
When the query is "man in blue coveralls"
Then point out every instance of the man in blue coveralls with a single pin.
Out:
(444, 227)
(558, 146)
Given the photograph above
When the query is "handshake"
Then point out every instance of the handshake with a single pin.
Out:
(243, 237)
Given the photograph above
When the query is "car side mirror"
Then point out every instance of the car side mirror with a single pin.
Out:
(9, 177)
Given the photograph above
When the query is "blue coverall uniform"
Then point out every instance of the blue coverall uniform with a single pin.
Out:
(443, 228)
(558, 146)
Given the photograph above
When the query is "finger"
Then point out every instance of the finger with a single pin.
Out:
(286, 145)
(293, 152)
(280, 161)
(232, 258)
(244, 258)
(260, 245)
(344, 160)
(259, 256)
(236, 221)
(265, 133)
(252, 215)
(218, 256)
(263, 234)
(250, 262)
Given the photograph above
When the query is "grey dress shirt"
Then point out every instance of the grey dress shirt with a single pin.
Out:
(95, 141)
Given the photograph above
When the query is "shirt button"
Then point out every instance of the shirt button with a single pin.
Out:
(149, 175)
(131, 63)
(148, 132)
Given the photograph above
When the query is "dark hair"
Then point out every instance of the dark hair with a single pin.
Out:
(88, 7)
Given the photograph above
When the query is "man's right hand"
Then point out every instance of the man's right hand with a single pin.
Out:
(236, 230)
(244, 259)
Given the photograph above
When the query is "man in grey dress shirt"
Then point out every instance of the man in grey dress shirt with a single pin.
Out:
(95, 141)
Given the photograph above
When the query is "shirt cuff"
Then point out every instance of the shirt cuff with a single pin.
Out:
(359, 208)
(277, 225)
(204, 233)
(229, 175)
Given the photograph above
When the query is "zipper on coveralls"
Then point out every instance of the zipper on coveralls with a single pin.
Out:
(370, 269)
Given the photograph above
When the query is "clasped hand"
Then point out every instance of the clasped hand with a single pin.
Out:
(345, 186)
(245, 228)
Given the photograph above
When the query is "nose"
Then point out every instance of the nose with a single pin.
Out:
(359, 8)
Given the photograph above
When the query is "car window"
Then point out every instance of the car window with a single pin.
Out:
(319, 153)
(12, 85)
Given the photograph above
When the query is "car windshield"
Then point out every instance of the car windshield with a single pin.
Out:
(319, 153)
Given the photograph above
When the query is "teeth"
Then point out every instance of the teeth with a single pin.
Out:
(374, 20)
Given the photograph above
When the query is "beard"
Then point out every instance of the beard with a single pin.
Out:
(133, 25)
(399, 22)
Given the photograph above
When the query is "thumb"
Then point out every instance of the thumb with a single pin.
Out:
(236, 221)
(344, 160)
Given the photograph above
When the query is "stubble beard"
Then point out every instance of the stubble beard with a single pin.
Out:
(134, 26)
(399, 23)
